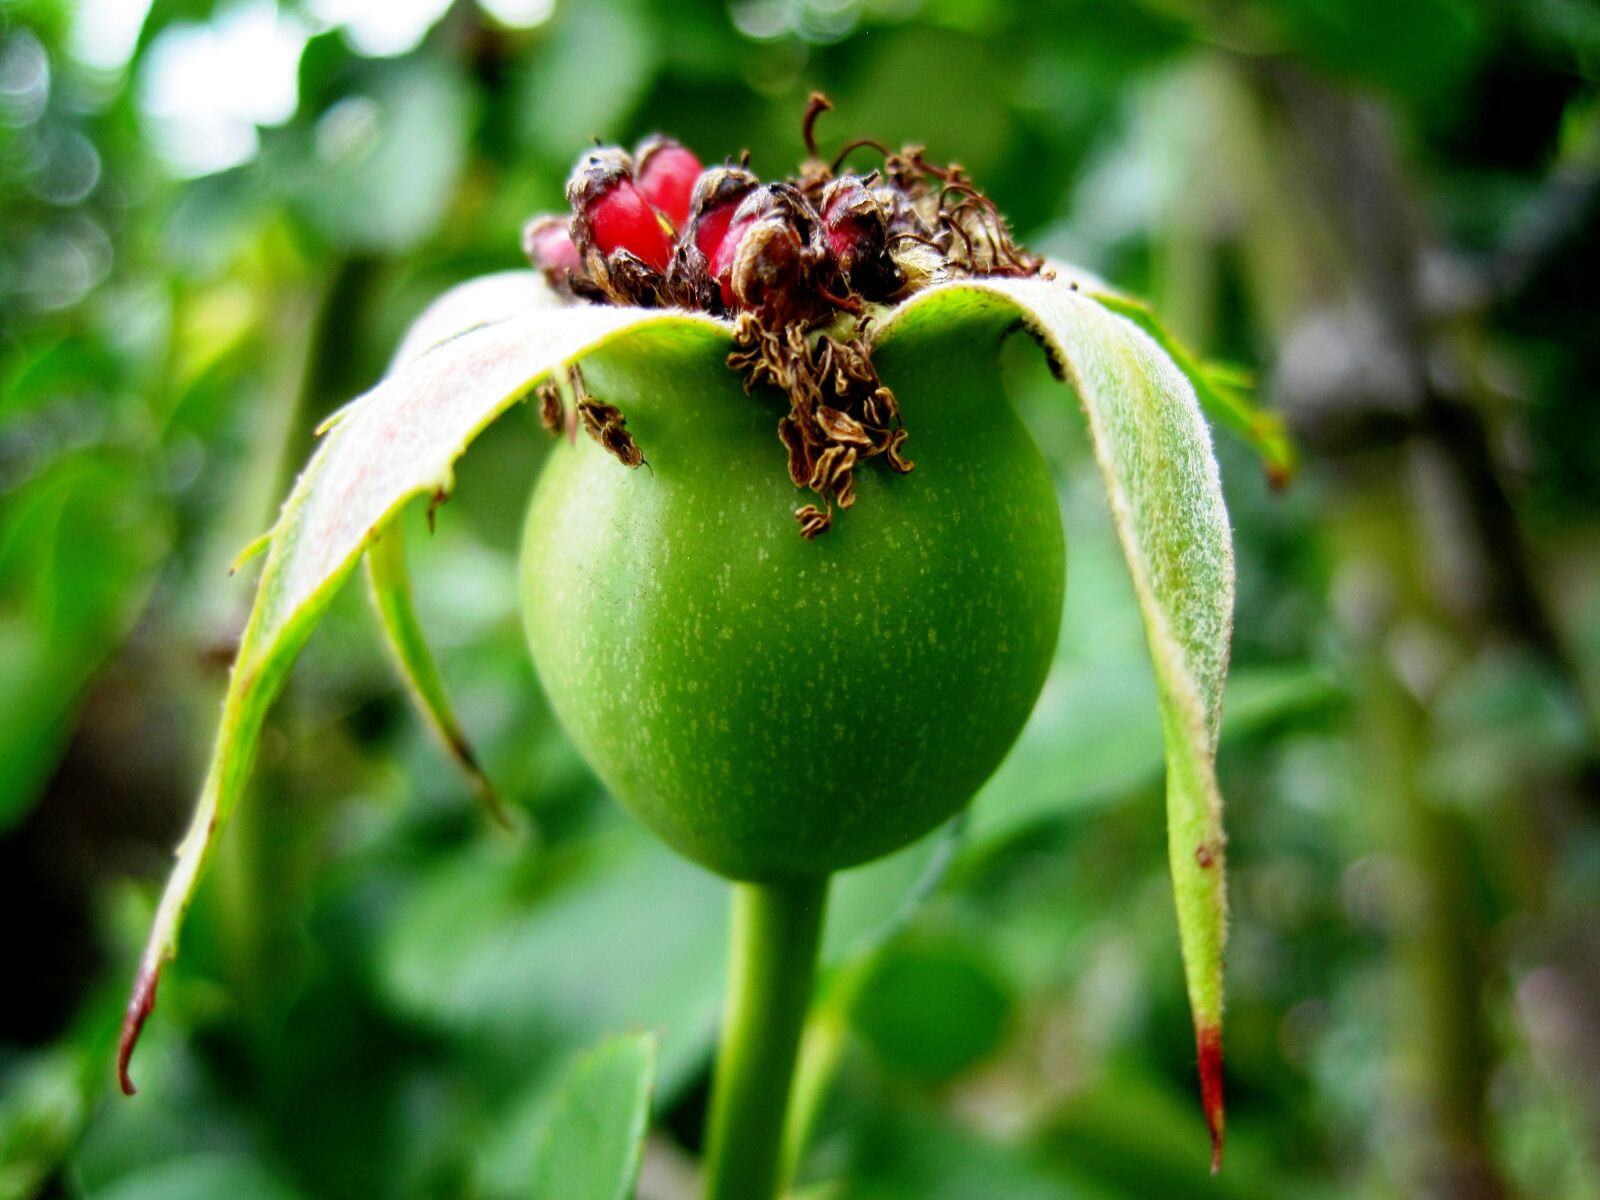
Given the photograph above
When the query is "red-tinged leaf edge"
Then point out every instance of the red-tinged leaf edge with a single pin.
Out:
(1208, 1043)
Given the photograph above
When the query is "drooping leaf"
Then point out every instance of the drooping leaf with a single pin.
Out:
(398, 441)
(487, 300)
(1223, 391)
(1154, 452)
(589, 1148)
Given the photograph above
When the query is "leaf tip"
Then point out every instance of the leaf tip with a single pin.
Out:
(140, 1005)
(251, 550)
(467, 759)
(1208, 1042)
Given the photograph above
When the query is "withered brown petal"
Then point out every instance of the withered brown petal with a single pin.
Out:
(841, 427)
(552, 412)
(814, 521)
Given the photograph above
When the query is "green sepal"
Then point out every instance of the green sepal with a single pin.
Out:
(396, 442)
(1155, 457)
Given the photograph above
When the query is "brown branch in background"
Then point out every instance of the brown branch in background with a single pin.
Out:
(1440, 525)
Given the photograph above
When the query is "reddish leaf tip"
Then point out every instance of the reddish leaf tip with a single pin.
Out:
(1208, 1041)
(140, 1004)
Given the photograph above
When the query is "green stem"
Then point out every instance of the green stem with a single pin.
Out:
(776, 931)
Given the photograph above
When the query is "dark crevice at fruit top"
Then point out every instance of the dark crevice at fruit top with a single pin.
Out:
(798, 264)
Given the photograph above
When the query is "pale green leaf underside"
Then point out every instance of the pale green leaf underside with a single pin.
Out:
(401, 439)
(589, 1149)
(1222, 393)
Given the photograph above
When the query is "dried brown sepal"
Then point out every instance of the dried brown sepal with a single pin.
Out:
(833, 469)
(621, 277)
(688, 283)
(841, 427)
(619, 443)
(801, 461)
(881, 410)
(891, 452)
(552, 409)
(604, 423)
(840, 414)
(814, 521)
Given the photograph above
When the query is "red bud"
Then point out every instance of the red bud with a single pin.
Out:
(666, 175)
(611, 214)
(718, 193)
(547, 241)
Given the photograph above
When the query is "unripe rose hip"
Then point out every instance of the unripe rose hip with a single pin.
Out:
(666, 174)
(817, 730)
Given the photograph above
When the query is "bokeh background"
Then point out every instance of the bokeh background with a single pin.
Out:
(215, 222)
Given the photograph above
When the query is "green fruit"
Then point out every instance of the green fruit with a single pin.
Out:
(777, 708)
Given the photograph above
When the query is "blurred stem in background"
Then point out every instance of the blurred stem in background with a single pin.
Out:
(1430, 885)
(1430, 517)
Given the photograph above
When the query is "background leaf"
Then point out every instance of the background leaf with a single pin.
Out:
(590, 1147)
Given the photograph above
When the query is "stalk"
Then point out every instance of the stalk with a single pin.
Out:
(776, 931)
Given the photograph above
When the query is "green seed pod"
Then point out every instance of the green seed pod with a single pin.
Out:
(775, 707)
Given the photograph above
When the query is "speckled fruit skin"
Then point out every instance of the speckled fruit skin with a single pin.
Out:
(776, 708)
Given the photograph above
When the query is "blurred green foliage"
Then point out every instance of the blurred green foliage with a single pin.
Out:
(1386, 211)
